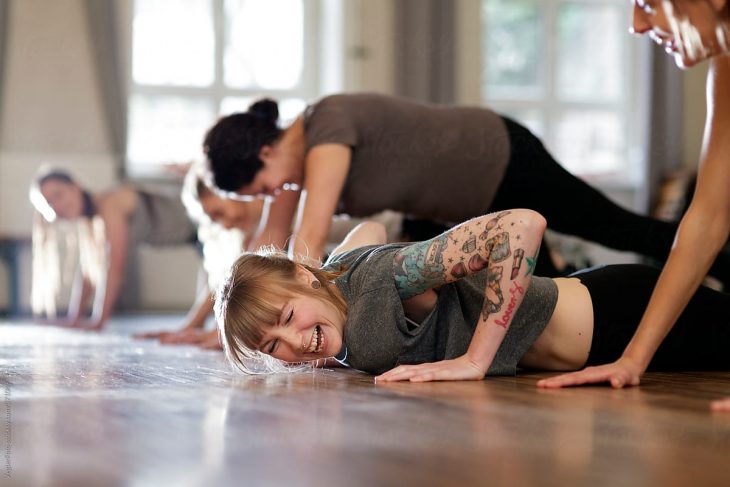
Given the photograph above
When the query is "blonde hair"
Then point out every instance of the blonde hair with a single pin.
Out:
(62, 247)
(244, 308)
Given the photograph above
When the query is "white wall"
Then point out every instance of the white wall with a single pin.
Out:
(468, 52)
(51, 105)
(52, 112)
(369, 38)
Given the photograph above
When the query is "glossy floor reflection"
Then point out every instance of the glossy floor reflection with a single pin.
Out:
(103, 409)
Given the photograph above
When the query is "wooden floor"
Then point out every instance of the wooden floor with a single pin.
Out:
(90, 409)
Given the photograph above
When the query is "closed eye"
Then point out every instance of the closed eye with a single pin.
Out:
(272, 347)
(289, 317)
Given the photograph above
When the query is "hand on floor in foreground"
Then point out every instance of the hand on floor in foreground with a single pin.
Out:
(460, 368)
(622, 373)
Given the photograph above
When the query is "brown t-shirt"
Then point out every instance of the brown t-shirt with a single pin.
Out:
(443, 163)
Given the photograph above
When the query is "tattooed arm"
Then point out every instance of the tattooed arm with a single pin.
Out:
(505, 245)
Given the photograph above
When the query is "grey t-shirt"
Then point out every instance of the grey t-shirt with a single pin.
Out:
(378, 337)
(160, 219)
(436, 162)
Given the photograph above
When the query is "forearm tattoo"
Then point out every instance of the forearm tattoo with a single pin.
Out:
(493, 298)
(531, 262)
(516, 263)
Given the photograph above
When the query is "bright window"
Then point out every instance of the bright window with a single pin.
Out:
(194, 60)
(569, 70)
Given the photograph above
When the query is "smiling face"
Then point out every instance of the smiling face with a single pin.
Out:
(64, 198)
(689, 30)
(307, 328)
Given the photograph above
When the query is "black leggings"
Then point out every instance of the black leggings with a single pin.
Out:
(699, 340)
(535, 180)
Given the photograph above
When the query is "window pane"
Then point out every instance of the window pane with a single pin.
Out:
(513, 38)
(264, 43)
(173, 42)
(591, 142)
(165, 129)
(289, 108)
(235, 104)
(590, 41)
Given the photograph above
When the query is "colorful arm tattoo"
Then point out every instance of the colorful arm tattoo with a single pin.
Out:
(420, 267)
(498, 246)
(468, 248)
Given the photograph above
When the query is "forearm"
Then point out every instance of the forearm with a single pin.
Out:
(276, 222)
(107, 292)
(79, 298)
(270, 236)
(273, 230)
(698, 242)
(106, 298)
(508, 278)
(703, 230)
(503, 246)
(309, 243)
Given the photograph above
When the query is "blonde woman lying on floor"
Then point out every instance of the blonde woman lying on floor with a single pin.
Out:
(457, 307)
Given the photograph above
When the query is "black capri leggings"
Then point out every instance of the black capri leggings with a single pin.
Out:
(535, 180)
(699, 340)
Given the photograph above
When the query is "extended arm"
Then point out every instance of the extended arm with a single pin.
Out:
(107, 293)
(326, 168)
(276, 221)
(702, 233)
(503, 245)
(79, 298)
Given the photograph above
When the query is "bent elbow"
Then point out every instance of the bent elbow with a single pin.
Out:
(532, 222)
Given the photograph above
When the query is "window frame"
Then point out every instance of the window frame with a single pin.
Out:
(632, 106)
(307, 89)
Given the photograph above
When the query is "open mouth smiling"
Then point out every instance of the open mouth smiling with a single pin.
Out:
(316, 343)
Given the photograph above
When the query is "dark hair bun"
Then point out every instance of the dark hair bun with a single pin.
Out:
(265, 109)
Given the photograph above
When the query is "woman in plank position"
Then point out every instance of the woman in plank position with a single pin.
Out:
(691, 31)
(96, 232)
(358, 154)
